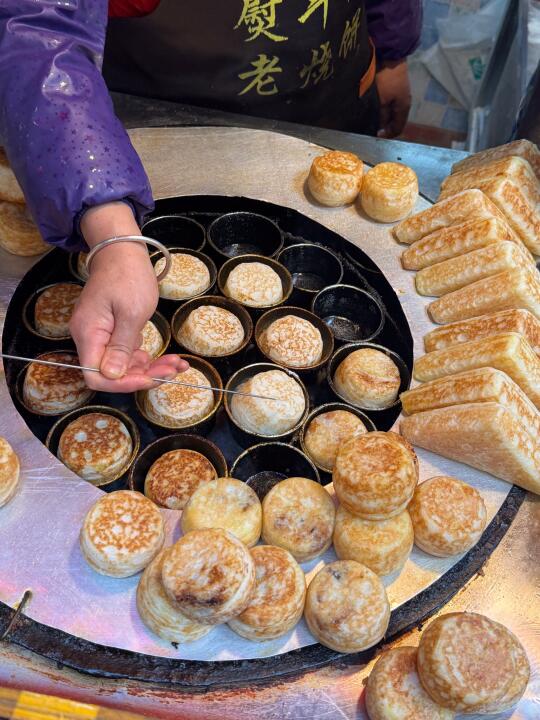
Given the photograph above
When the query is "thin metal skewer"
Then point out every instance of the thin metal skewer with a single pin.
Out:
(158, 380)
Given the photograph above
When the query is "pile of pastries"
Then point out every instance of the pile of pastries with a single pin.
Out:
(475, 250)
(18, 233)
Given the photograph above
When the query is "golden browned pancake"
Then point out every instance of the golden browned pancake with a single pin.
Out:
(459, 208)
(254, 284)
(375, 475)
(174, 477)
(53, 390)
(121, 533)
(519, 148)
(394, 690)
(269, 417)
(465, 660)
(456, 240)
(228, 504)
(292, 341)
(152, 342)
(18, 233)
(9, 471)
(516, 320)
(159, 613)
(368, 378)
(327, 432)
(346, 607)
(335, 178)
(187, 277)
(389, 192)
(81, 265)
(381, 545)
(178, 406)
(10, 190)
(96, 446)
(54, 308)
(298, 515)
(211, 330)
(277, 601)
(448, 516)
(210, 575)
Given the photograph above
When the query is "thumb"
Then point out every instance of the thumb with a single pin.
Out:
(124, 339)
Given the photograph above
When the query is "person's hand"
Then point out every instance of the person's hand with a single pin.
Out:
(395, 97)
(117, 300)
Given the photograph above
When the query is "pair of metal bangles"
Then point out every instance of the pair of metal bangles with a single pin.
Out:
(135, 239)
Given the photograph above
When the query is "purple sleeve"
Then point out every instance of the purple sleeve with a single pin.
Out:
(64, 142)
(394, 26)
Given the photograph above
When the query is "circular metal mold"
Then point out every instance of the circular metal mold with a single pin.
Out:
(78, 270)
(173, 302)
(224, 363)
(155, 450)
(19, 388)
(244, 233)
(176, 231)
(245, 438)
(264, 465)
(284, 276)
(203, 425)
(312, 268)
(53, 438)
(331, 407)
(352, 313)
(307, 371)
(28, 314)
(385, 417)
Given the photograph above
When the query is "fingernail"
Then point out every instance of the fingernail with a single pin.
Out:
(114, 369)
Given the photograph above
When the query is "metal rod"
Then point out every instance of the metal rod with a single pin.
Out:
(158, 380)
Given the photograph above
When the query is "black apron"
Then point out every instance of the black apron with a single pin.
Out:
(296, 60)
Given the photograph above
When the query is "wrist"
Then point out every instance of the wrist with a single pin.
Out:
(102, 222)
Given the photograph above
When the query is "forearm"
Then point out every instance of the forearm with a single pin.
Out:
(395, 27)
(65, 144)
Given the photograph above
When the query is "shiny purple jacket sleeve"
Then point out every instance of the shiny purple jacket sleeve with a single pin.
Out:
(57, 123)
(394, 26)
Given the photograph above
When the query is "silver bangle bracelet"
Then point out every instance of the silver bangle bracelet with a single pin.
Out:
(136, 239)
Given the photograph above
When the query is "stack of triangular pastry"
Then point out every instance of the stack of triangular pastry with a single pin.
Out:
(18, 233)
(473, 250)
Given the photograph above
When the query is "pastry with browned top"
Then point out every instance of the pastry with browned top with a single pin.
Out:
(121, 534)
(368, 378)
(18, 232)
(292, 341)
(174, 477)
(228, 504)
(211, 330)
(96, 446)
(465, 661)
(269, 417)
(394, 690)
(375, 475)
(277, 600)
(389, 192)
(178, 406)
(9, 472)
(518, 148)
(10, 190)
(210, 575)
(54, 308)
(299, 515)
(152, 340)
(335, 178)
(159, 613)
(254, 284)
(448, 516)
(327, 432)
(346, 607)
(187, 277)
(50, 390)
(381, 545)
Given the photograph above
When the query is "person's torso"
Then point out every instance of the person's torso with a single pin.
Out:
(300, 60)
